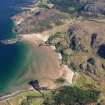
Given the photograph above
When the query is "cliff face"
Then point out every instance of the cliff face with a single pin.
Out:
(89, 44)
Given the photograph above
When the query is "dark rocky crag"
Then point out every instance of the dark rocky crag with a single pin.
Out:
(89, 45)
(83, 47)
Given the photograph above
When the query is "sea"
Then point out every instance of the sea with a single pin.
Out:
(12, 56)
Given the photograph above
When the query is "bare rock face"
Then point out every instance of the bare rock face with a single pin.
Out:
(91, 61)
(91, 68)
(75, 44)
(86, 40)
(73, 40)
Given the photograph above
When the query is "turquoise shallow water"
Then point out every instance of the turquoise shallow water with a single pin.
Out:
(12, 57)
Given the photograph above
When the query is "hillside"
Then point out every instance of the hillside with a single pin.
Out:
(77, 30)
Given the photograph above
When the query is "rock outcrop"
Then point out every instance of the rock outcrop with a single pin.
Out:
(103, 66)
(91, 8)
(88, 66)
(73, 40)
(91, 61)
(94, 40)
(86, 41)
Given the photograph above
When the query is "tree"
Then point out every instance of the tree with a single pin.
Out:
(73, 96)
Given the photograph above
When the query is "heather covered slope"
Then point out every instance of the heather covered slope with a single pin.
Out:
(82, 47)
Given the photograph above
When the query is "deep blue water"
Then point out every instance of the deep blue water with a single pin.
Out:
(7, 9)
(5, 22)
(11, 56)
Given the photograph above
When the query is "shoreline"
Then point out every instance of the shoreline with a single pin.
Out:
(9, 96)
(39, 39)
(66, 73)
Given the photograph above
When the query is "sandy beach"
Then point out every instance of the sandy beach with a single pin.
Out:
(65, 72)
(62, 72)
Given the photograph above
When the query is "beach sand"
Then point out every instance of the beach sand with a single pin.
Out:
(63, 70)
(45, 67)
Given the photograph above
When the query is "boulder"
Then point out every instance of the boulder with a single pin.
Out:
(101, 51)
(87, 68)
(91, 61)
(70, 34)
(75, 44)
(103, 66)
(94, 40)
(91, 68)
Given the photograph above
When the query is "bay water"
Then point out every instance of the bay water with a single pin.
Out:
(12, 56)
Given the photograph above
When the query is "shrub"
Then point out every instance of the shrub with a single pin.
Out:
(72, 66)
(60, 80)
(73, 96)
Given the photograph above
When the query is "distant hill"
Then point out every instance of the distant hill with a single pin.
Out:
(90, 7)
